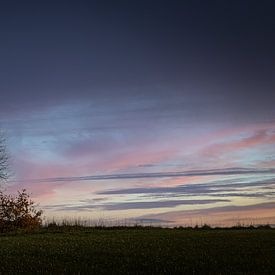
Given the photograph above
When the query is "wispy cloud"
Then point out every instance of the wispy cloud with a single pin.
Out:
(220, 214)
(191, 173)
(239, 144)
(149, 221)
(194, 189)
(137, 205)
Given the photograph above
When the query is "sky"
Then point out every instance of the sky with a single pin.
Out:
(159, 112)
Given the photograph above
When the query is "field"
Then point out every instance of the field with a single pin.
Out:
(139, 251)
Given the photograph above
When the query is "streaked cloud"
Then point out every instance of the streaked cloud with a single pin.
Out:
(221, 215)
(138, 205)
(191, 173)
(219, 186)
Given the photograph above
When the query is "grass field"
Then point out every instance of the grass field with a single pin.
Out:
(138, 251)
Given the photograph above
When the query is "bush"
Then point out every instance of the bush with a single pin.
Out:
(206, 226)
(18, 212)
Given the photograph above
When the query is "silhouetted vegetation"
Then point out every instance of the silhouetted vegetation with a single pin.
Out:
(79, 224)
(3, 159)
(18, 212)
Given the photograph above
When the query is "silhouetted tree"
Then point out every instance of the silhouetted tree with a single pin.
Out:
(15, 211)
(3, 159)
(18, 212)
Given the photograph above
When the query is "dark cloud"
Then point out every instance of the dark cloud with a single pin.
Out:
(230, 185)
(220, 193)
(158, 204)
(191, 173)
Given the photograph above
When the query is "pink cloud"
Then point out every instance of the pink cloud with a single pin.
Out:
(267, 164)
(221, 216)
(43, 192)
(257, 139)
(140, 154)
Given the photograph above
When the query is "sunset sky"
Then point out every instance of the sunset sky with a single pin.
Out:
(145, 111)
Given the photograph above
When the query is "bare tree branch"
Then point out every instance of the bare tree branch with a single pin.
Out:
(3, 159)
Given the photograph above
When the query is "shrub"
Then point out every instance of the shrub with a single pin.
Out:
(18, 212)
(206, 226)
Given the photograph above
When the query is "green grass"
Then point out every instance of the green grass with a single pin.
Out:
(138, 251)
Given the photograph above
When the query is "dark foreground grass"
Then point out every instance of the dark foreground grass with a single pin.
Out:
(139, 251)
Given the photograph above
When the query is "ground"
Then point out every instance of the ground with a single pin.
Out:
(138, 251)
